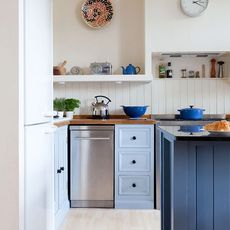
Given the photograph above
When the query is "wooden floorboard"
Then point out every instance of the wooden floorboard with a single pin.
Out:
(111, 219)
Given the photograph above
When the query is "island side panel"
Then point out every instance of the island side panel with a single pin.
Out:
(166, 153)
(180, 186)
(205, 162)
(222, 186)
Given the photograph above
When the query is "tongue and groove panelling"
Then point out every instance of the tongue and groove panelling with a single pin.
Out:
(163, 96)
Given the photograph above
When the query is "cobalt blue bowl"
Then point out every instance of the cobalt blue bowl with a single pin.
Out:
(134, 111)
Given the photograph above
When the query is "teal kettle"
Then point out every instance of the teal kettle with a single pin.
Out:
(130, 69)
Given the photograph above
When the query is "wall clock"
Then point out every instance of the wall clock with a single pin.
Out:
(193, 8)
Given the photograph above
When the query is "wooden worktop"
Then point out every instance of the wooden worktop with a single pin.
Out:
(111, 122)
(114, 120)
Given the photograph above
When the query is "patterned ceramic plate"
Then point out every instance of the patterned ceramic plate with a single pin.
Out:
(97, 13)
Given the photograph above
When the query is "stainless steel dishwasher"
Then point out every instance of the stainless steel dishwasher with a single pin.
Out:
(92, 166)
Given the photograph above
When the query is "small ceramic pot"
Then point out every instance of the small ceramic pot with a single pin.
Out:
(69, 114)
(60, 114)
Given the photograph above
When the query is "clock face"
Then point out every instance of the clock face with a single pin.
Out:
(194, 8)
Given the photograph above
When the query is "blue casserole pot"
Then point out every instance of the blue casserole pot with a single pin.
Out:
(134, 111)
(191, 113)
(191, 128)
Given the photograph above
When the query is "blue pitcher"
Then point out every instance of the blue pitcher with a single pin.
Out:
(130, 69)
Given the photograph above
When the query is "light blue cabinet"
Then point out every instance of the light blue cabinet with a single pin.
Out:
(134, 162)
(61, 175)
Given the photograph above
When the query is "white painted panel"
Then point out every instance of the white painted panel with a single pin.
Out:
(191, 92)
(184, 93)
(227, 97)
(148, 96)
(213, 97)
(60, 90)
(38, 61)
(39, 174)
(169, 92)
(176, 96)
(206, 95)
(119, 98)
(198, 94)
(163, 95)
(155, 97)
(220, 97)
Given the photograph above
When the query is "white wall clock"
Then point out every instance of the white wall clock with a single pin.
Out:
(193, 8)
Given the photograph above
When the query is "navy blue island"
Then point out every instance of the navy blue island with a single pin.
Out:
(195, 179)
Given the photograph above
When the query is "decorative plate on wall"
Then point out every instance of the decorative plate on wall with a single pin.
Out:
(97, 13)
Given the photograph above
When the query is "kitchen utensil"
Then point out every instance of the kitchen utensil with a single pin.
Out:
(197, 74)
(191, 74)
(60, 69)
(130, 69)
(100, 109)
(213, 68)
(191, 113)
(134, 111)
(221, 69)
(203, 71)
(97, 14)
(183, 73)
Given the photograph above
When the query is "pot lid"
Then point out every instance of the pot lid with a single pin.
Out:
(191, 108)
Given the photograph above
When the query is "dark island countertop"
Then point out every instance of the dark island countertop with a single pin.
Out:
(176, 133)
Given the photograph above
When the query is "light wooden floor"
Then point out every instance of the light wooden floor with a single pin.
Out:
(111, 219)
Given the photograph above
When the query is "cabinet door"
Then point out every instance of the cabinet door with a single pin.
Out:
(56, 167)
(38, 178)
(38, 60)
(62, 158)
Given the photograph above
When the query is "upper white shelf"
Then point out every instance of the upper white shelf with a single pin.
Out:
(102, 78)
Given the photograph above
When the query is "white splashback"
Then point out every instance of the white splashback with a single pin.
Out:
(163, 96)
(171, 94)
(120, 94)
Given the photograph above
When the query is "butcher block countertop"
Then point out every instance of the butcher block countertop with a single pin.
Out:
(114, 120)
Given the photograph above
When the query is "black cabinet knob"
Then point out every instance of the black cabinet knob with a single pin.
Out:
(62, 168)
(59, 171)
(134, 185)
(134, 162)
(134, 138)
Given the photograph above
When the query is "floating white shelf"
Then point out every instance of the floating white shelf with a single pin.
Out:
(190, 79)
(102, 78)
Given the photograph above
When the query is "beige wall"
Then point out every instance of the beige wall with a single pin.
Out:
(9, 135)
(121, 42)
(170, 30)
(166, 29)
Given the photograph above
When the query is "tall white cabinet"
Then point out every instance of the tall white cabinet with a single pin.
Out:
(36, 31)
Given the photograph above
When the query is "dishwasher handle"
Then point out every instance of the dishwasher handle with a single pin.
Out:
(92, 138)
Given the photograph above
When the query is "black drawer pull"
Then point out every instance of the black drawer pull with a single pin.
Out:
(59, 171)
(134, 185)
(134, 138)
(62, 168)
(134, 162)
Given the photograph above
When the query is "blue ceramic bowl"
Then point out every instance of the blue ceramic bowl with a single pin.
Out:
(134, 111)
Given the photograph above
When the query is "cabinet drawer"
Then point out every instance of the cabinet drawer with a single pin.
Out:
(134, 161)
(134, 185)
(134, 137)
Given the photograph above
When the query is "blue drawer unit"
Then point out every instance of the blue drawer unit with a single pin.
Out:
(134, 137)
(134, 161)
(134, 185)
(134, 166)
